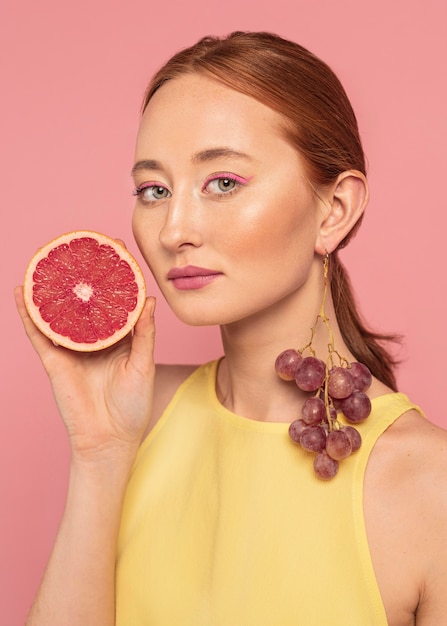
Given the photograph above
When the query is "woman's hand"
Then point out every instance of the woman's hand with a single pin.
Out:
(104, 397)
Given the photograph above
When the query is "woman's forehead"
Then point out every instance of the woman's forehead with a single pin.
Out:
(194, 104)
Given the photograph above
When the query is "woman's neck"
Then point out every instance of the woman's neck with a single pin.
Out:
(247, 382)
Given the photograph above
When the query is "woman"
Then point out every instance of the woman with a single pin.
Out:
(188, 503)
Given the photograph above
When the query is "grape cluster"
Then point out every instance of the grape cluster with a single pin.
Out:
(340, 388)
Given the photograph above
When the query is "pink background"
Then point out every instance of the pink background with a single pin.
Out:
(73, 75)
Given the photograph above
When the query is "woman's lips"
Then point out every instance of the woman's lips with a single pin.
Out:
(192, 277)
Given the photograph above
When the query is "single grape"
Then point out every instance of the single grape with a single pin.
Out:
(286, 363)
(310, 373)
(340, 383)
(324, 466)
(361, 376)
(354, 436)
(313, 411)
(313, 438)
(338, 445)
(295, 430)
(356, 407)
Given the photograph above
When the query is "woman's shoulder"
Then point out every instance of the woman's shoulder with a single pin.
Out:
(413, 451)
(420, 448)
(407, 474)
(416, 444)
(412, 443)
(168, 379)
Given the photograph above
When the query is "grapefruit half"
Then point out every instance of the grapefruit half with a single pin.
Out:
(84, 291)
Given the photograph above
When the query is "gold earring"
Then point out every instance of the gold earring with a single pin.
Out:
(338, 388)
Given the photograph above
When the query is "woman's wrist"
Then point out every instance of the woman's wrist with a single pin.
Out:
(110, 463)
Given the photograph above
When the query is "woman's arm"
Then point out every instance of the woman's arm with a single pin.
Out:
(78, 584)
(405, 503)
(105, 400)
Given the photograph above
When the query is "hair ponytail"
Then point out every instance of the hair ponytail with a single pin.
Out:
(364, 344)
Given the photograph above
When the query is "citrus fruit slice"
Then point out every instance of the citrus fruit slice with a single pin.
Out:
(84, 291)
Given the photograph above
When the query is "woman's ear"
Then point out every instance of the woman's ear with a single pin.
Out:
(344, 204)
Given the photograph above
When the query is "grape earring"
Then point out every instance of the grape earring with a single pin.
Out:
(337, 386)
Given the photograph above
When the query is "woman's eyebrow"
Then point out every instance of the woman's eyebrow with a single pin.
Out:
(218, 153)
(199, 157)
(145, 164)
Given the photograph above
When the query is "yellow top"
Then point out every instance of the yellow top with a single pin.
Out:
(225, 524)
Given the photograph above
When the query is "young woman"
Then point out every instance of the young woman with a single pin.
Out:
(188, 502)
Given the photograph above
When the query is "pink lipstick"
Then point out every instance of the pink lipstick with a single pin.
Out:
(192, 277)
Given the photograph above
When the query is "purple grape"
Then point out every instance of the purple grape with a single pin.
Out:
(324, 466)
(354, 436)
(340, 383)
(338, 445)
(313, 438)
(286, 363)
(313, 411)
(361, 376)
(310, 373)
(295, 430)
(356, 407)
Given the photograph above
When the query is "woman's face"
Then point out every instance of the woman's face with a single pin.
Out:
(224, 216)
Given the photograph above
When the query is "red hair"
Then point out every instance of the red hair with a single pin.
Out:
(318, 121)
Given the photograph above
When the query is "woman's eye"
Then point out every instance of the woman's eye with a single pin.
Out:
(151, 193)
(221, 185)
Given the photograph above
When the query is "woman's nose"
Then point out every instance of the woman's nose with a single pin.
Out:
(182, 225)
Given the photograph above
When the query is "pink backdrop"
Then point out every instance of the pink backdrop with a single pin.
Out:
(73, 75)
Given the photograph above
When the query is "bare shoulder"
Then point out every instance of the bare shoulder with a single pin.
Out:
(406, 517)
(415, 447)
(168, 379)
(411, 459)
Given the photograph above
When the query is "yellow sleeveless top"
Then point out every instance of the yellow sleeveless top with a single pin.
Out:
(225, 524)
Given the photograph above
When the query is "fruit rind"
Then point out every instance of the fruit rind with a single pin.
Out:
(45, 327)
